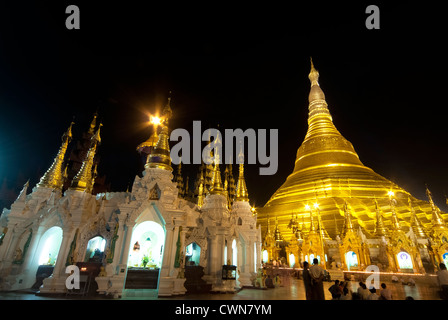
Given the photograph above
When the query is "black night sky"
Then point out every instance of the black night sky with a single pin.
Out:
(229, 65)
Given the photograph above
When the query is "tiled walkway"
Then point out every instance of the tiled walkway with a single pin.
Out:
(293, 292)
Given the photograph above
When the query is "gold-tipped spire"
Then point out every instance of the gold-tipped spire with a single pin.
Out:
(416, 225)
(312, 226)
(392, 202)
(85, 178)
(437, 220)
(277, 235)
(217, 182)
(348, 225)
(53, 178)
(93, 124)
(160, 156)
(241, 189)
(380, 229)
(316, 98)
(201, 190)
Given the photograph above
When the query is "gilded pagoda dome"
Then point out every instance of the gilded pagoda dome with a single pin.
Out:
(328, 172)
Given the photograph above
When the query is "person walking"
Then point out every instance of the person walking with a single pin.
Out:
(317, 276)
(307, 281)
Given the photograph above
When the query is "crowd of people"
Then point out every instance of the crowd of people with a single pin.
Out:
(313, 281)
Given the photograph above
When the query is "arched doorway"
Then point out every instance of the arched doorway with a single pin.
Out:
(404, 261)
(265, 256)
(145, 256)
(351, 260)
(95, 249)
(192, 254)
(292, 260)
(45, 258)
(445, 258)
(49, 246)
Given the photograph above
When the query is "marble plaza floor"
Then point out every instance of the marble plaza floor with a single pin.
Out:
(295, 291)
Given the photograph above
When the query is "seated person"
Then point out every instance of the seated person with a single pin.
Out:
(373, 295)
(269, 283)
(335, 290)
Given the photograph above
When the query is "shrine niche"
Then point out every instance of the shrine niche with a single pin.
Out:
(198, 238)
(192, 254)
(95, 249)
(49, 245)
(98, 236)
(403, 254)
(154, 193)
(146, 247)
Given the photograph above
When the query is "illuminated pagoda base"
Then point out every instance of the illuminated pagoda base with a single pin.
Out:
(390, 228)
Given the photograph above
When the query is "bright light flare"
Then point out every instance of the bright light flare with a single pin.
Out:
(391, 193)
(156, 121)
(307, 207)
(316, 205)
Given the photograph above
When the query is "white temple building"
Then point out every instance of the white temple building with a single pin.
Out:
(149, 229)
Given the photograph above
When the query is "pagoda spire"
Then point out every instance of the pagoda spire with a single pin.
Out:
(241, 189)
(277, 234)
(312, 226)
(93, 124)
(318, 107)
(53, 178)
(380, 229)
(348, 225)
(22, 195)
(416, 225)
(160, 156)
(437, 220)
(201, 190)
(217, 187)
(395, 222)
(180, 180)
(322, 136)
(84, 179)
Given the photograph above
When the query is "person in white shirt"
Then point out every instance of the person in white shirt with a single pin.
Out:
(363, 292)
(317, 276)
(373, 295)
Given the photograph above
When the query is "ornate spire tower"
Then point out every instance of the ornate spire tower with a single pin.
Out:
(84, 180)
(380, 229)
(241, 189)
(160, 156)
(53, 178)
(437, 220)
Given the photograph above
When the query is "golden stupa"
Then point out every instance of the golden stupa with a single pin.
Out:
(327, 174)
